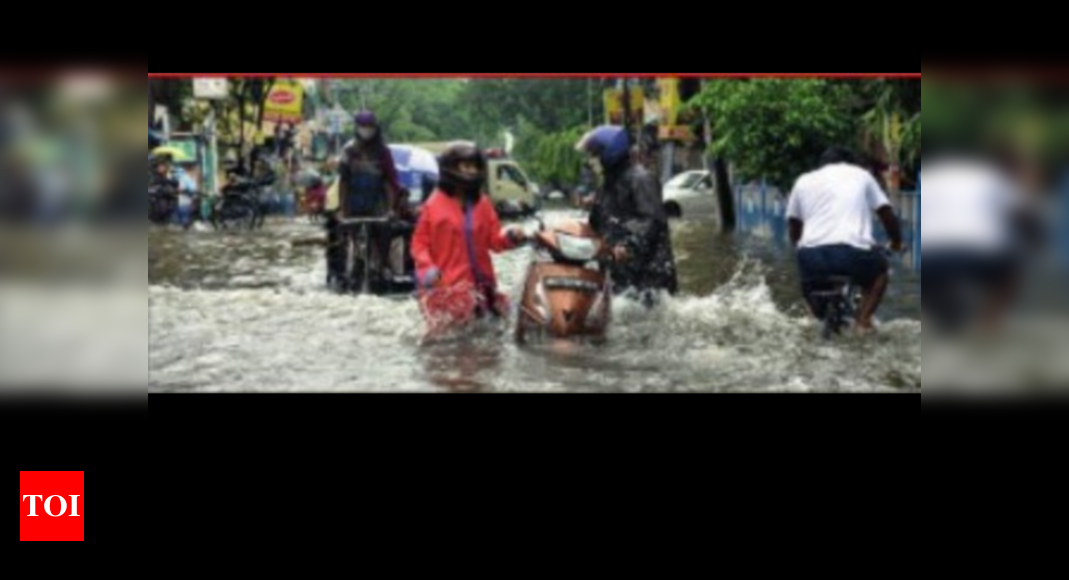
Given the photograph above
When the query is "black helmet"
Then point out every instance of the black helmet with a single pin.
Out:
(451, 180)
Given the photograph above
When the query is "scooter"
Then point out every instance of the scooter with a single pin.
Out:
(568, 290)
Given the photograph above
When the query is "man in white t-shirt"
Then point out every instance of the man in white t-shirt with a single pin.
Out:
(830, 223)
(977, 223)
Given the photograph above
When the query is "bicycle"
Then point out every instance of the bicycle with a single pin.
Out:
(239, 205)
(837, 301)
(355, 241)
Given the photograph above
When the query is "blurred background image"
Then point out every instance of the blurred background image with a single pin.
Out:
(995, 200)
(73, 304)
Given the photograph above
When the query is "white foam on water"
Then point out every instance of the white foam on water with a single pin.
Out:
(292, 334)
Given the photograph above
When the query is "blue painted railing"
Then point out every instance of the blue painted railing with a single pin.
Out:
(762, 211)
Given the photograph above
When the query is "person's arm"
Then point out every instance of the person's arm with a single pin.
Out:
(879, 203)
(587, 201)
(421, 244)
(499, 240)
(892, 226)
(795, 227)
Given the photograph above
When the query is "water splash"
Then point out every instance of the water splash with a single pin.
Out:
(267, 322)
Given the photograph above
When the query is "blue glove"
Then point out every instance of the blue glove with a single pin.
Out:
(431, 277)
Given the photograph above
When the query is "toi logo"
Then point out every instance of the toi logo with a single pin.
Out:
(33, 505)
(58, 494)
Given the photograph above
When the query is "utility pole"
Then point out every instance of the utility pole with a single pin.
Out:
(590, 101)
(628, 126)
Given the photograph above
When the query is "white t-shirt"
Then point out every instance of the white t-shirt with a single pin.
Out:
(966, 204)
(836, 203)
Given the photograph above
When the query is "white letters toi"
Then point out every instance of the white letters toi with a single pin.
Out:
(48, 505)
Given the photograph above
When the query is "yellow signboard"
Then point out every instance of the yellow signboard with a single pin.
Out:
(669, 89)
(614, 106)
(283, 104)
(674, 125)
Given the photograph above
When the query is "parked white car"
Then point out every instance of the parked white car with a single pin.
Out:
(690, 194)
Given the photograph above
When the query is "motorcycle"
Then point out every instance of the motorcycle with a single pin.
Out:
(568, 289)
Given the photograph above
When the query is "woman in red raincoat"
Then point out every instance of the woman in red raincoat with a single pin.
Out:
(458, 228)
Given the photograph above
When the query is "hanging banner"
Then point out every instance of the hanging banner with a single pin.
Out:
(669, 89)
(211, 88)
(284, 102)
(670, 127)
(614, 106)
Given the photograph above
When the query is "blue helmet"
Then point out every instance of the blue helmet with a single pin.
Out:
(610, 143)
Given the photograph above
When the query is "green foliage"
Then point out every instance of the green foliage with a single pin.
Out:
(551, 104)
(549, 157)
(777, 128)
(911, 141)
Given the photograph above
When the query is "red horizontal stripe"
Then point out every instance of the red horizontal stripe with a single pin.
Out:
(535, 75)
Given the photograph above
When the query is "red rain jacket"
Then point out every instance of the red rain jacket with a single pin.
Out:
(458, 241)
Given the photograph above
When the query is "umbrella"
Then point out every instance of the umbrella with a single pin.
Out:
(175, 153)
(413, 163)
(307, 177)
(414, 159)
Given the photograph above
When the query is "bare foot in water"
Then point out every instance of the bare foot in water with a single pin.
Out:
(864, 329)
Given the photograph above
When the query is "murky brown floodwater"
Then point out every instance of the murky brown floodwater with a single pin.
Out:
(250, 312)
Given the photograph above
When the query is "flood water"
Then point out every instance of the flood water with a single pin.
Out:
(249, 311)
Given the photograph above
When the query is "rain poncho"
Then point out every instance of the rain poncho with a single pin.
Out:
(457, 238)
(629, 211)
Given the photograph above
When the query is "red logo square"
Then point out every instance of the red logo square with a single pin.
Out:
(56, 497)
